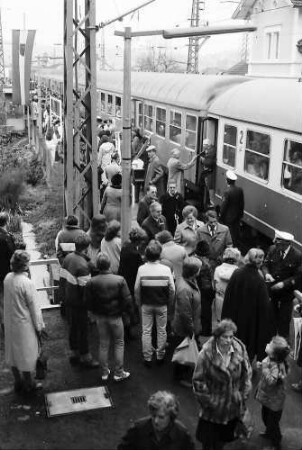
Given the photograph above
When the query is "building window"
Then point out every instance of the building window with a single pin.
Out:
(272, 44)
(103, 101)
(257, 154)
(109, 104)
(175, 126)
(140, 116)
(229, 145)
(148, 117)
(191, 132)
(292, 166)
(161, 122)
(118, 106)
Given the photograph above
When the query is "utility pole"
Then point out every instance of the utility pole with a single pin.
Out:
(2, 78)
(81, 190)
(194, 41)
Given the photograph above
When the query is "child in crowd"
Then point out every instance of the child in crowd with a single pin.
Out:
(271, 389)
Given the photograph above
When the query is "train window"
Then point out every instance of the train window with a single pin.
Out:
(118, 106)
(161, 122)
(103, 101)
(109, 104)
(140, 115)
(292, 166)
(229, 145)
(191, 131)
(175, 126)
(257, 154)
(148, 117)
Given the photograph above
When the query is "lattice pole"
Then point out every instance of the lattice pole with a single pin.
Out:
(2, 78)
(192, 63)
(81, 193)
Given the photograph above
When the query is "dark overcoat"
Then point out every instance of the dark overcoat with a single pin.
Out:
(247, 303)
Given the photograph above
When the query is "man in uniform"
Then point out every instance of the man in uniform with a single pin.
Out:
(280, 268)
(232, 206)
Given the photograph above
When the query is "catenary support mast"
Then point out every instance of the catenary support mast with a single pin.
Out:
(81, 194)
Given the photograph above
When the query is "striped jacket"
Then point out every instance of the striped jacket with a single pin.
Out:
(222, 392)
(154, 285)
(74, 275)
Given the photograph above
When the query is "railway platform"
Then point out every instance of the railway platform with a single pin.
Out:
(25, 424)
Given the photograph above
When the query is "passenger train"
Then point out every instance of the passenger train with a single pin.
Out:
(254, 123)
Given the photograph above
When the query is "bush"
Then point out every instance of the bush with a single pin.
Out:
(11, 187)
(35, 172)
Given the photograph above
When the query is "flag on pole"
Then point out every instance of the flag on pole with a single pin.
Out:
(23, 42)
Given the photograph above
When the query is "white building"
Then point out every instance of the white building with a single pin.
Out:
(276, 46)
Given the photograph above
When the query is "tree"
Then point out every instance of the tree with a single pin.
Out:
(160, 62)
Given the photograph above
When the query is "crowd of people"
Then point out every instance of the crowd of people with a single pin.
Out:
(178, 276)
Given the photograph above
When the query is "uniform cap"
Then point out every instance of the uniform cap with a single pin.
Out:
(284, 236)
(151, 148)
(231, 175)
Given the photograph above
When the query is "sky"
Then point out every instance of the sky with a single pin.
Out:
(47, 18)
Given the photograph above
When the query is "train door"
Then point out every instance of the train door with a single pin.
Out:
(207, 129)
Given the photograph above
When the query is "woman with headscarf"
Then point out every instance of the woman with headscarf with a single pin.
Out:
(23, 323)
(222, 275)
(112, 199)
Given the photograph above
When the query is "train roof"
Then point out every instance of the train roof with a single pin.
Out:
(270, 102)
(183, 90)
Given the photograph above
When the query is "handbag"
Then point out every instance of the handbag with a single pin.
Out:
(41, 365)
(245, 426)
(186, 352)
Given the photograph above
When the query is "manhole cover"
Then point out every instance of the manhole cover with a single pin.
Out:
(79, 400)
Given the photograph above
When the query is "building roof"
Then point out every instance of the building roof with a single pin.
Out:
(244, 9)
(241, 68)
(282, 100)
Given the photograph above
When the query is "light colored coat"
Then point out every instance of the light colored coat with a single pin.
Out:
(186, 236)
(271, 388)
(222, 276)
(155, 175)
(22, 318)
(176, 170)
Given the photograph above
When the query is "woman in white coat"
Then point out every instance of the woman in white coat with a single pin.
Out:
(231, 259)
(23, 323)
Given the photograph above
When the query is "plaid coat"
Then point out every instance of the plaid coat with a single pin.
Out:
(222, 392)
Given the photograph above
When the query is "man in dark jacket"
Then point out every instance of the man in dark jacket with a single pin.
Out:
(108, 297)
(172, 206)
(247, 303)
(281, 267)
(155, 222)
(7, 248)
(161, 430)
(74, 274)
(232, 207)
(144, 204)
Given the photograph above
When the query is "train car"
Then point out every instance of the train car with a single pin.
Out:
(172, 108)
(255, 124)
(260, 138)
